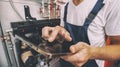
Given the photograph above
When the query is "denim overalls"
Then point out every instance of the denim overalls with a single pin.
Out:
(79, 33)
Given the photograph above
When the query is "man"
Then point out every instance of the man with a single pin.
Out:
(89, 22)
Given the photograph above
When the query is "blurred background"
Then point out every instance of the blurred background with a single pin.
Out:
(13, 11)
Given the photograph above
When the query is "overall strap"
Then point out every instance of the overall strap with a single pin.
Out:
(99, 4)
(65, 13)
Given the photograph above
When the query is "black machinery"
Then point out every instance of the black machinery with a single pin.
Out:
(29, 32)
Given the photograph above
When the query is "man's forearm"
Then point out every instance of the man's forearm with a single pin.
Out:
(111, 52)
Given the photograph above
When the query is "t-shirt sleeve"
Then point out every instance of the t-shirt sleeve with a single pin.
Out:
(112, 27)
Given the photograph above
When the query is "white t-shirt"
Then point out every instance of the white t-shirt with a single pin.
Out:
(106, 22)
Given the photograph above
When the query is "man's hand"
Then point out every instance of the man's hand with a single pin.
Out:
(51, 33)
(81, 54)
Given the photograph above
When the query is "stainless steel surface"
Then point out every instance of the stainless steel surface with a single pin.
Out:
(4, 56)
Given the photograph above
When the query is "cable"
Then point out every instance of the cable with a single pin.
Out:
(13, 6)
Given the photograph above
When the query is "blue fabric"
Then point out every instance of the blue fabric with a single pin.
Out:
(79, 33)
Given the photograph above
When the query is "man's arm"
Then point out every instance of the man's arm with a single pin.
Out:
(111, 52)
(83, 52)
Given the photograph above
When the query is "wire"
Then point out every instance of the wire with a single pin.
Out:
(13, 6)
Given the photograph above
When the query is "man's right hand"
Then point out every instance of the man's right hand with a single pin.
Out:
(51, 33)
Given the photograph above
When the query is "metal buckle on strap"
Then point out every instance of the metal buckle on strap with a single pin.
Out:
(91, 16)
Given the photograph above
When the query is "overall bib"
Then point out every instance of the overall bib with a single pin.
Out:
(79, 33)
